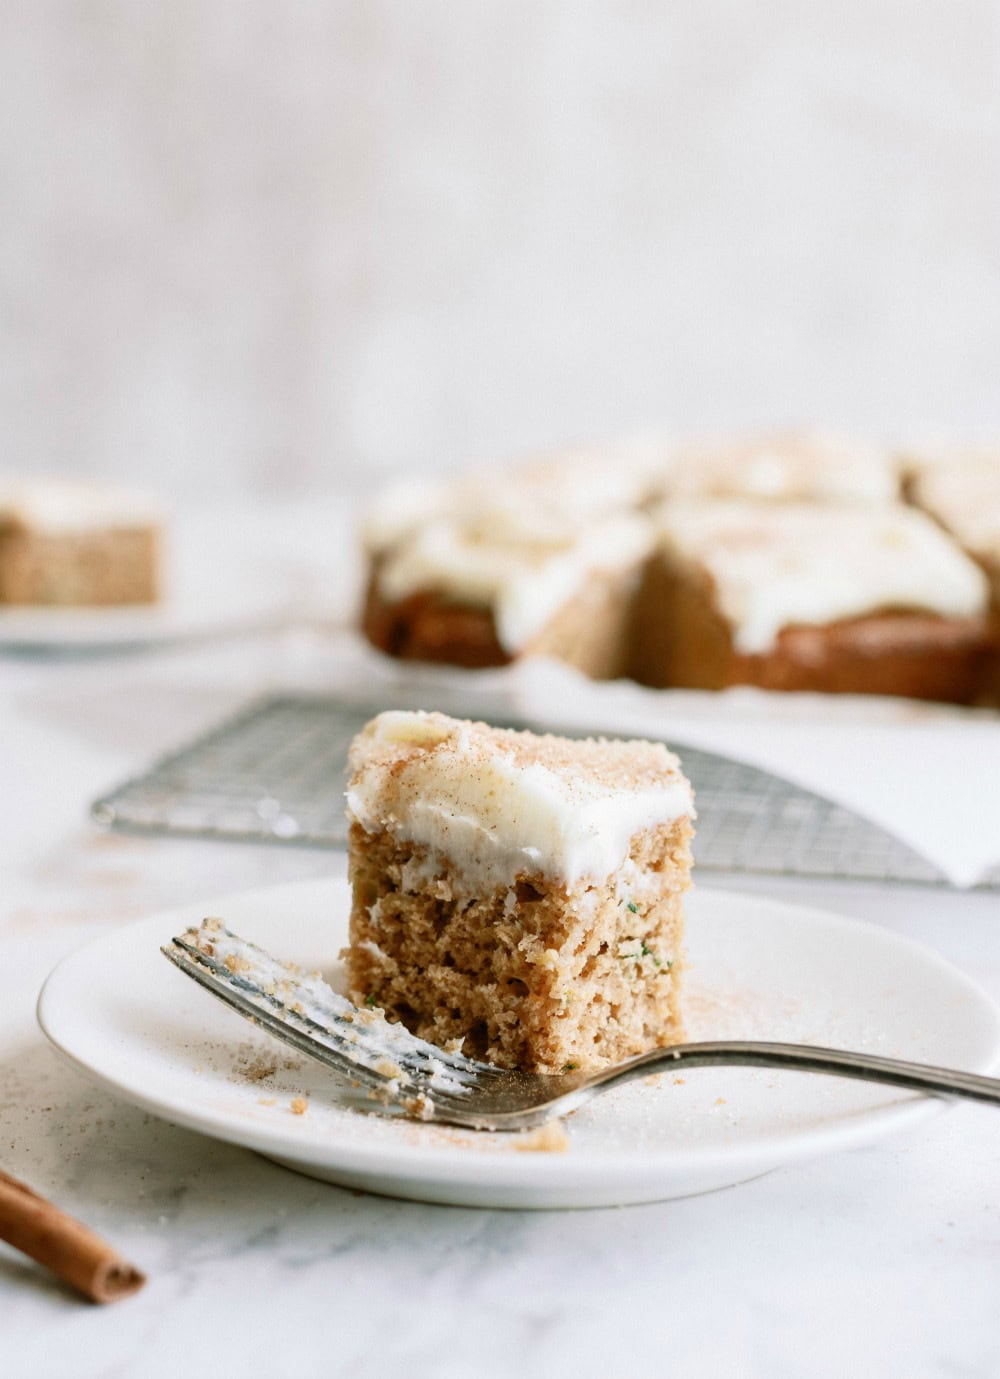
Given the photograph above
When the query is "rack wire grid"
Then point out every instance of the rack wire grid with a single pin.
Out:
(275, 773)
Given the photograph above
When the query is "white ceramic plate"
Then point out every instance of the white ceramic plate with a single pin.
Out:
(214, 583)
(123, 1015)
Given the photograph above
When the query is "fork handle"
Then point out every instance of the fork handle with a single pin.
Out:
(868, 1067)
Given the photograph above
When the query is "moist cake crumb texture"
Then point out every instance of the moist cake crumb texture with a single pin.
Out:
(521, 894)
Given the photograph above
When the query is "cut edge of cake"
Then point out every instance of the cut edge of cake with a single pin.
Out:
(825, 598)
(520, 894)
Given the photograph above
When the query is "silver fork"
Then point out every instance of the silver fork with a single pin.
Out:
(421, 1080)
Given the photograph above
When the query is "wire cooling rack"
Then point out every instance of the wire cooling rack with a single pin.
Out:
(275, 773)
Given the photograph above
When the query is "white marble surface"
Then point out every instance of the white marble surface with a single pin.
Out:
(881, 1261)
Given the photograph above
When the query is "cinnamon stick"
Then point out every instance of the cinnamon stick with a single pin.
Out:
(61, 1243)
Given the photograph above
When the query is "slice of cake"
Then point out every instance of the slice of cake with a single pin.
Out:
(519, 894)
(509, 580)
(961, 490)
(850, 598)
(67, 543)
(540, 558)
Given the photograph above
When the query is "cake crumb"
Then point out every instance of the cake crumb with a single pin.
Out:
(299, 1105)
(550, 1138)
(538, 950)
(421, 1107)
(720, 1101)
(257, 1069)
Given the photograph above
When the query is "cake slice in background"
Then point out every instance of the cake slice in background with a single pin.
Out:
(961, 490)
(519, 894)
(73, 544)
(849, 598)
(538, 558)
(510, 579)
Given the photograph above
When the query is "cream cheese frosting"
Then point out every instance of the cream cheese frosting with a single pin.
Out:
(783, 564)
(500, 804)
(962, 490)
(521, 565)
(538, 497)
(788, 466)
(588, 481)
(400, 508)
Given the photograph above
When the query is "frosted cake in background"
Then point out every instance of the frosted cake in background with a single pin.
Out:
(585, 557)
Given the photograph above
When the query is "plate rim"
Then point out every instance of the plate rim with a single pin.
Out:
(133, 625)
(455, 1164)
(177, 614)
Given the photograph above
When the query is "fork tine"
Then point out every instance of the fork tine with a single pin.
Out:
(303, 1011)
(278, 1020)
(241, 964)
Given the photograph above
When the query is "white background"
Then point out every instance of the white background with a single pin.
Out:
(258, 246)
